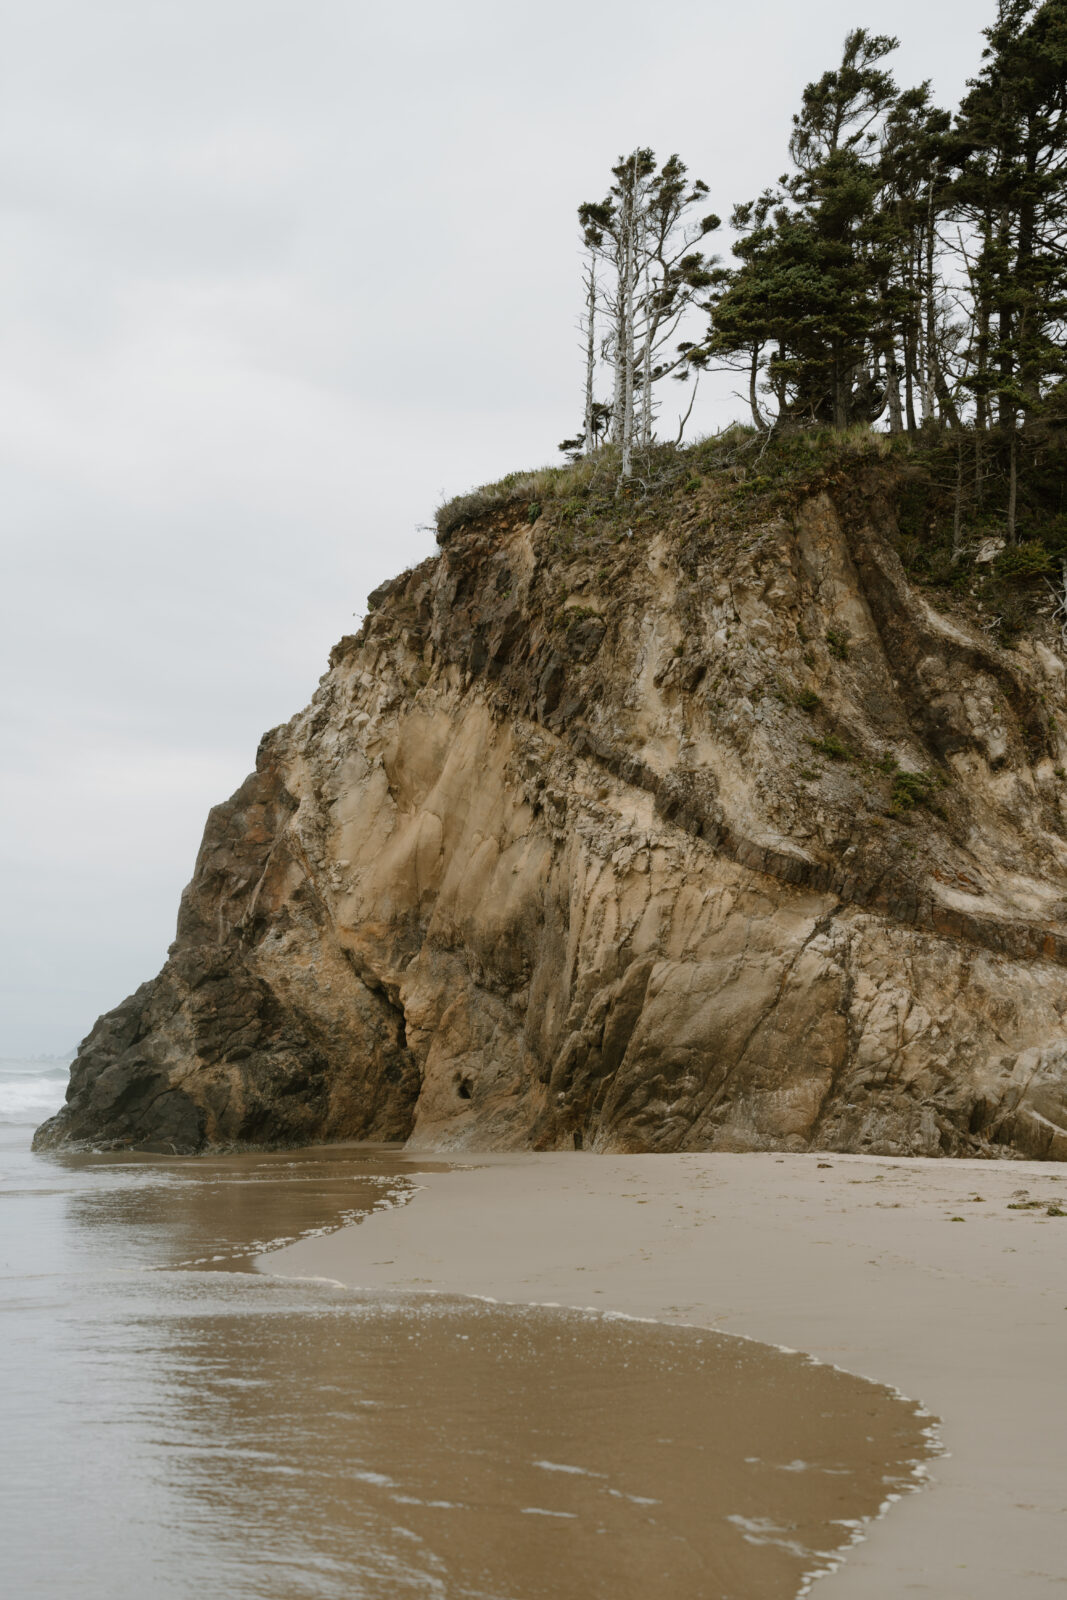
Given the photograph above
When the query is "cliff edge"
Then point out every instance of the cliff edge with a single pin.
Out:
(688, 823)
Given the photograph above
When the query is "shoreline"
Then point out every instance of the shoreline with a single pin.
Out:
(890, 1268)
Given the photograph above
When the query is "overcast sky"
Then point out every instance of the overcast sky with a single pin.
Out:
(277, 276)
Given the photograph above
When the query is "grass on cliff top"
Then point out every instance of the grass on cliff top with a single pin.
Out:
(743, 458)
(949, 490)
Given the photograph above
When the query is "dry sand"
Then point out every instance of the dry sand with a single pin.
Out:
(859, 1261)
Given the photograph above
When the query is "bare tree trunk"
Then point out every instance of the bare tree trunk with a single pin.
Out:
(1029, 370)
(909, 342)
(946, 404)
(929, 380)
(976, 361)
(646, 375)
(590, 352)
(1013, 482)
(892, 385)
(618, 340)
(1005, 330)
(628, 406)
(619, 344)
(626, 354)
(981, 342)
(909, 377)
(689, 410)
(641, 234)
(957, 505)
(1059, 610)
(753, 374)
(841, 417)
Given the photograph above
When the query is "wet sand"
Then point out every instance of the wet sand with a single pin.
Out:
(235, 1432)
(916, 1274)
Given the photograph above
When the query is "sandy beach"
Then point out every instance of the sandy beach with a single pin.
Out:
(912, 1273)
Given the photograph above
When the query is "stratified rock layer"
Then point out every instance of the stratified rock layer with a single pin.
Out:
(566, 852)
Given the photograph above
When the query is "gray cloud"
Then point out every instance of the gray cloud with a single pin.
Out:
(275, 277)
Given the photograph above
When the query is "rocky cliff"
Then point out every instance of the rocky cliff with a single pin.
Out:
(661, 827)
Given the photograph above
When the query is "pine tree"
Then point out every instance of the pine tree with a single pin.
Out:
(909, 264)
(915, 167)
(1011, 143)
(816, 253)
(1011, 186)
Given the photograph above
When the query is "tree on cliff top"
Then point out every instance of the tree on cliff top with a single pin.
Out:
(642, 275)
(908, 270)
(816, 253)
(1010, 147)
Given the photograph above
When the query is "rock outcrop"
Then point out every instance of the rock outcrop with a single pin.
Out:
(660, 835)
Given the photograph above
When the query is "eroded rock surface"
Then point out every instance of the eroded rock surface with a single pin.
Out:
(566, 852)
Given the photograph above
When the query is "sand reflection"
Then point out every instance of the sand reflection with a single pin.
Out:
(225, 1432)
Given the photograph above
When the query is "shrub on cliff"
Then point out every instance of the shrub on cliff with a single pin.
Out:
(542, 490)
(457, 513)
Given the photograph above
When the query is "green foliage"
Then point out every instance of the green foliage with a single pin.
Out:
(643, 273)
(843, 305)
(838, 641)
(816, 253)
(833, 747)
(911, 789)
(749, 478)
(808, 700)
(458, 513)
(1021, 562)
(907, 272)
(1054, 534)
(1008, 147)
(1014, 614)
(950, 496)
(942, 568)
(591, 477)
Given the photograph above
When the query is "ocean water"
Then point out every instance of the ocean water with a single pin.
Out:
(177, 1424)
(32, 1090)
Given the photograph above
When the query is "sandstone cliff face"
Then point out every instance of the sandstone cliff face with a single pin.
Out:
(564, 852)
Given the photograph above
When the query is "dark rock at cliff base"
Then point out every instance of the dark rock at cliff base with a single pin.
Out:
(672, 836)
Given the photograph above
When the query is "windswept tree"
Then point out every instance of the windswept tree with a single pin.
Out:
(1011, 140)
(1007, 151)
(920, 338)
(909, 270)
(642, 275)
(809, 303)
